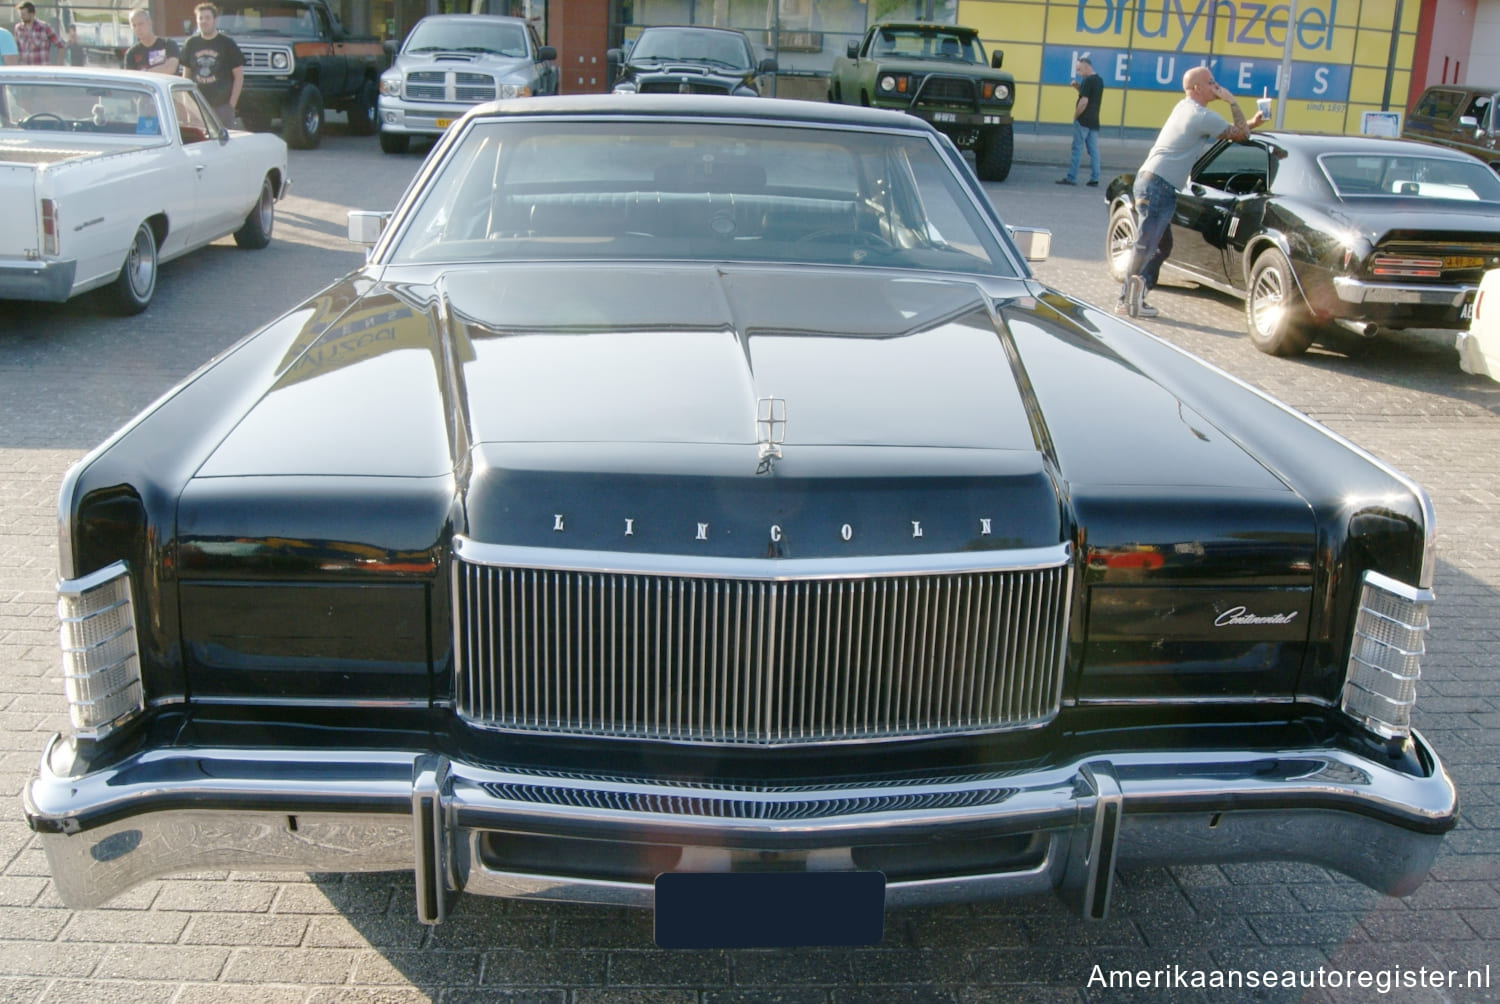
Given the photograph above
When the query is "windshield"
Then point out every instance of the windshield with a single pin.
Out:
(956, 46)
(79, 108)
(501, 38)
(717, 47)
(274, 19)
(522, 190)
(1407, 176)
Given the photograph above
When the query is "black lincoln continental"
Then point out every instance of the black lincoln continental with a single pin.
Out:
(696, 504)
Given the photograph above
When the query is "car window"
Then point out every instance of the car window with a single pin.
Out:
(73, 107)
(194, 123)
(725, 48)
(1240, 168)
(638, 190)
(1440, 104)
(270, 19)
(1479, 108)
(1408, 176)
(464, 35)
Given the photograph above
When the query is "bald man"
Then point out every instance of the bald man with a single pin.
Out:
(1190, 130)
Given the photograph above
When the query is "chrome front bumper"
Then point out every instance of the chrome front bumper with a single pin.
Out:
(160, 812)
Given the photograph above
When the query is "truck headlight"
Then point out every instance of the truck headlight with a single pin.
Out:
(515, 90)
(280, 61)
(391, 83)
(100, 657)
(1385, 655)
(892, 83)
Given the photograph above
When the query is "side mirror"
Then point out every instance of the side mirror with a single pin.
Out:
(546, 54)
(997, 58)
(1034, 244)
(767, 65)
(1468, 121)
(365, 226)
(391, 47)
(852, 50)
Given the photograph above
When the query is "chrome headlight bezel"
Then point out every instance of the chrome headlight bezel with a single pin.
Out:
(391, 83)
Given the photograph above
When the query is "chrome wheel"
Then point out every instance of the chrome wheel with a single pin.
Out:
(1119, 244)
(1278, 322)
(136, 283)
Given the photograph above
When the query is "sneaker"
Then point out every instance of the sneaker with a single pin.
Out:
(1121, 307)
(1144, 309)
(1066, 181)
(1093, 183)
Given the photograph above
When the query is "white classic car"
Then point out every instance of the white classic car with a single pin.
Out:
(1479, 347)
(107, 173)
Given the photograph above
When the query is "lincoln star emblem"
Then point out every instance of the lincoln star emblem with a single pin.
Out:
(770, 431)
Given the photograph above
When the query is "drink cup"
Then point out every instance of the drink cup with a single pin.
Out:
(1264, 104)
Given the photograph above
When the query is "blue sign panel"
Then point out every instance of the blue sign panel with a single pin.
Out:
(1144, 70)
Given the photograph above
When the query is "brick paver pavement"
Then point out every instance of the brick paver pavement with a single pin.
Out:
(68, 376)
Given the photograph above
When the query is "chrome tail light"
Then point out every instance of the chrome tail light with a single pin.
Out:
(100, 658)
(1385, 655)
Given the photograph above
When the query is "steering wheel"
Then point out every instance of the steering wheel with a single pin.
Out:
(43, 120)
(854, 238)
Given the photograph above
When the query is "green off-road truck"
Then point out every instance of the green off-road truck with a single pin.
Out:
(937, 72)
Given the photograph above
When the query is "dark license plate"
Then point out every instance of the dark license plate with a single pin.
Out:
(769, 909)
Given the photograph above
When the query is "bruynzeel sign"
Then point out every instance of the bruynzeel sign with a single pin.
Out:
(1163, 39)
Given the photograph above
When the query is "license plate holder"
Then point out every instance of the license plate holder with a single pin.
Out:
(769, 909)
(944, 117)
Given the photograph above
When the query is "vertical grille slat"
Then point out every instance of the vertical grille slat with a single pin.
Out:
(744, 661)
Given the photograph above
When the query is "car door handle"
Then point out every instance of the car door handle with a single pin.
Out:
(198, 168)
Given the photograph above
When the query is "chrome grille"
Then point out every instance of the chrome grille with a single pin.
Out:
(450, 85)
(758, 662)
(427, 85)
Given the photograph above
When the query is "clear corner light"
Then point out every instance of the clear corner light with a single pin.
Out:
(100, 659)
(1385, 655)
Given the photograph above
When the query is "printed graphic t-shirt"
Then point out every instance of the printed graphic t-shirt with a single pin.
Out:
(210, 64)
(146, 57)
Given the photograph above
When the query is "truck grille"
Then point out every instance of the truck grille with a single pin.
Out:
(756, 662)
(661, 86)
(937, 90)
(450, 85)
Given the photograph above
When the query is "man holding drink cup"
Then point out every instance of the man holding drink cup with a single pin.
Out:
(1188, 132)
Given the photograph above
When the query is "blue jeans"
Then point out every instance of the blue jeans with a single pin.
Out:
(1084, 136)
(1155, 201)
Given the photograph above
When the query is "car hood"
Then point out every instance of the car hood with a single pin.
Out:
(493, 62)
(691, 408)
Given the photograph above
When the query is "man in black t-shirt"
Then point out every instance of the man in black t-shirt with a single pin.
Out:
(1085, 122)
(212, 61)
(151, 53)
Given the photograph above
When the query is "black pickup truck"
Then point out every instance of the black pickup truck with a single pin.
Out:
(300, 61)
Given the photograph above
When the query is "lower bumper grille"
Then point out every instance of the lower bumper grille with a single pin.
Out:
(684, 657)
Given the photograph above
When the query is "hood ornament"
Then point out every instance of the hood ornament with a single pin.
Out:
(770, 431)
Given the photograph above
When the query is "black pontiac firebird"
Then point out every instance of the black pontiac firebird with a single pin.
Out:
(696, 504)
(1318, 231)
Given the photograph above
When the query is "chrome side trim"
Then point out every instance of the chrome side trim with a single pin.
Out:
(759, 569)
